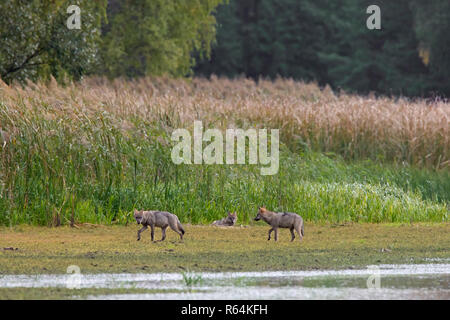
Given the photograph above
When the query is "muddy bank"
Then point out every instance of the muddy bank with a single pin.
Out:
(114, 249)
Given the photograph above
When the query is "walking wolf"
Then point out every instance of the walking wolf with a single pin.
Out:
(161, 219)
(282, 220)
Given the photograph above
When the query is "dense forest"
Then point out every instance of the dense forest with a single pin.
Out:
(328, 42)
(312, 40)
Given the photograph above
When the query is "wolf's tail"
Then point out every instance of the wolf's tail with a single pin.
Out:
(181, 227)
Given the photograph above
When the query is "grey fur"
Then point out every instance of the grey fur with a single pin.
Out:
(161, 219)
(276, 220)
(228, 221)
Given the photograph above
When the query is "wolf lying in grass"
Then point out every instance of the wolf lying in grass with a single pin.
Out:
(282, 220)
(161, 219)
(228, 221)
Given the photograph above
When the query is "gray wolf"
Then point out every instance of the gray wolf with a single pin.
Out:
(276, 220)
(161, 219)
(229, 220)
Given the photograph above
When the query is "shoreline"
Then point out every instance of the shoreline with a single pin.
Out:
(114, 249)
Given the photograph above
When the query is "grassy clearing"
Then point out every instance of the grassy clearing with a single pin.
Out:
(95, 150)
(115, 249)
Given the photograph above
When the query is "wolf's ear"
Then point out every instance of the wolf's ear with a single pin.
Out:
(235, 213)
(135, 211)
(263, 209)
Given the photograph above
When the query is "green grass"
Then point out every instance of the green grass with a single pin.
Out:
(191, 279)
(45, 179)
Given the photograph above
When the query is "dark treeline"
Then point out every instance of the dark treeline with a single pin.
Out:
(328, 42)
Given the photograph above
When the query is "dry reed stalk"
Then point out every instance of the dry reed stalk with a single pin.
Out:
(416, 132)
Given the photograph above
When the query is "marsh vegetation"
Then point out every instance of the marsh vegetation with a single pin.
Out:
(94, 150)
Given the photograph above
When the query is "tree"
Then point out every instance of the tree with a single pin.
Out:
(267, 38)
(329, 42)
(432, 25)
(154, 37)
(37, 43)
(384, 61)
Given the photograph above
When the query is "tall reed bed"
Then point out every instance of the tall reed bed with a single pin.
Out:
(399, 130)
(94, 150)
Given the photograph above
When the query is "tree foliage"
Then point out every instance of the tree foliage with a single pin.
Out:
(432, 28)
(153, 37)
(117, 38)
(328, 41)
(37, 43)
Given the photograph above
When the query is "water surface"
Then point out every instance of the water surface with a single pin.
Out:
(420, 281)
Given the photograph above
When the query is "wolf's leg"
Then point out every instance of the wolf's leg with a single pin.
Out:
(180, 227)
(163, 233)
(174, 227)
(152, 228)
(179, 232)
(299, 231)
(270, 231)
(292, 234)
(276, 234)
(139, 232)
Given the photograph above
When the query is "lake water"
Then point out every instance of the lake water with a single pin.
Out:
(409, 281)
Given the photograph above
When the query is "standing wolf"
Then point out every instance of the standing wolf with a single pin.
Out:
(229, 220)
(282, 220)
(159, 219)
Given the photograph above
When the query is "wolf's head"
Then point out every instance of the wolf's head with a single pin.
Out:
(138, 216)
(232, 217)
(261, 210)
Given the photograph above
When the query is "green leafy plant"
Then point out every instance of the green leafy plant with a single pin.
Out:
(191, 279)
